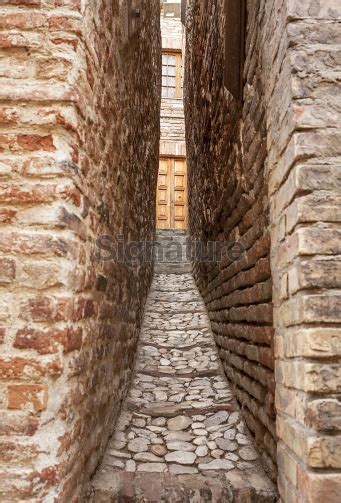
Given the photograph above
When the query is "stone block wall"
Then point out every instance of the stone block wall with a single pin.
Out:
(171, 32)
(267, 175)
(303, 51)
(79, 145)
(228, 201)
(172, 121)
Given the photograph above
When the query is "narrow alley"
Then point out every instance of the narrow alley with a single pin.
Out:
(179, 423)
(170, 251)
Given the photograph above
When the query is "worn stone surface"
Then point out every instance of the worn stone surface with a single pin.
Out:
(79, 114)
(182, 484)
(172, 422)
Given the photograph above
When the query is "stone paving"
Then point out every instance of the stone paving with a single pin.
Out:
(180, 416)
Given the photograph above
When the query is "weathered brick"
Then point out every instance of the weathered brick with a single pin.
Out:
(324, 414)
(310, 309)
(14, 424)
(26, 142)
(7, 270)
(48, 341)
(315, 487)
(309, 377)
(25, 3)
(20, 368)
(314, 208)
(304, 145)
(38, 243)
(37, 194)
(238, 293)
(15, 453)
(312, 342)
(46, 308)
(287, 464)
(305, 9)
(33, 396)
(315, 273)
(324, 452)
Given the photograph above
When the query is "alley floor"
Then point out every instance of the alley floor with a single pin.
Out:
(180, 417)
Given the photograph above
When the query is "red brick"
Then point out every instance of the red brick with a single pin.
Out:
(7, 215)
(67, 40)
(64, 23)
(84, 308)
(48, 341)
(21, 20)
(70, 4)
(44, 308)
(26, 142)
(8, 116)
(24, 3)
(17, 424)
(14, 453)
(37, 193)
(21, 368)
(32, 395)
(45, 386)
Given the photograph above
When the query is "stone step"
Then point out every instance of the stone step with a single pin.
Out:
(171, 252)
(172, 268)
(176, 307)
(180, 487)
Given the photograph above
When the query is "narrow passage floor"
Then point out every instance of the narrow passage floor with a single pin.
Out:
(180, 431)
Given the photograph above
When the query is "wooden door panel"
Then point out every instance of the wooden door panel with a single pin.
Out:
(163, 181)
(171, 198)
(179, 182)
(179, 197)
(179, 212)
(163, 195)
(179, 166)
(163, 165)
(180, 194)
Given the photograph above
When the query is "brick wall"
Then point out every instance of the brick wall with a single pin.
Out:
(228, 202)
(79, 141)
(273, 169)
(304, 172)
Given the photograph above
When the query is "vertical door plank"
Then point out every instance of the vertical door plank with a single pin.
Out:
(163, 196)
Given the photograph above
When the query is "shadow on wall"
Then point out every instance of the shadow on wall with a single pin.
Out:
(228, 202)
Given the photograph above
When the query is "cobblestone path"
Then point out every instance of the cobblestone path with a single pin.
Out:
(180, 417)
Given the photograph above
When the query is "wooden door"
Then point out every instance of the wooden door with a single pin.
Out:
(171, 199)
